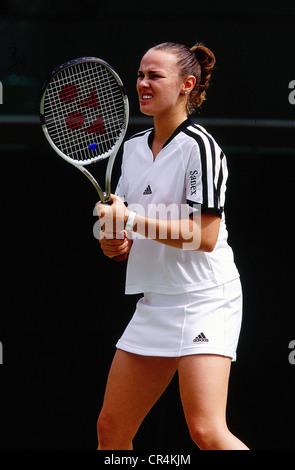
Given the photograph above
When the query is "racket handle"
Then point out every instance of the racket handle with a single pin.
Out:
(120, 257)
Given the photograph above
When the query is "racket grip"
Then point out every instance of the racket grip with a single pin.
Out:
(120, 257)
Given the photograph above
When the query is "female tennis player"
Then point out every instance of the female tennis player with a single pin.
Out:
(170, 200)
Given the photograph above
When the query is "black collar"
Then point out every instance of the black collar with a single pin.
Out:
(183, 125)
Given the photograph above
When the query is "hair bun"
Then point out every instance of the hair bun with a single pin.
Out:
(206, 59)
(204, 56)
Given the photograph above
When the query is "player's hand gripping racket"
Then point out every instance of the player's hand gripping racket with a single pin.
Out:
(84, 114)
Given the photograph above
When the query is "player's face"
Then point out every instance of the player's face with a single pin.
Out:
(159, 85)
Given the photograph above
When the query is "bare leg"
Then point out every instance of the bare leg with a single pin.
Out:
(203, 383)
(134, 385)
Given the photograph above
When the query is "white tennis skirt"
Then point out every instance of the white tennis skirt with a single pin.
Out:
(201, 322)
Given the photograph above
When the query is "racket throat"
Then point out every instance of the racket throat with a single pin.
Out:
(103, 196)
(107, 199)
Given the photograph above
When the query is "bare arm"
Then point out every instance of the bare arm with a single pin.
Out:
(197, 233)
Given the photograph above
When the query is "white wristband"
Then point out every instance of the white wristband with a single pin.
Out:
(130, 221)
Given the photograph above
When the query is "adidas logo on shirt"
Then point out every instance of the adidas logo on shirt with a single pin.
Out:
(201, 338)
(147, 191)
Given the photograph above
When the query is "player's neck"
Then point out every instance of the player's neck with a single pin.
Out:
(164, 127)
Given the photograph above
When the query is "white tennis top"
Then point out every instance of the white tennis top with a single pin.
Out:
(190, 170)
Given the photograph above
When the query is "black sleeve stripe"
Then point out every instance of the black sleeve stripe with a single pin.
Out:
(220, 178)
(212, 168)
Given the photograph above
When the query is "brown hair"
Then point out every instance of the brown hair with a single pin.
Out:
(198, 61)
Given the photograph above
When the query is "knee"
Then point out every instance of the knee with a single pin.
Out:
(105, 431)
(112, 434)
(205, 437)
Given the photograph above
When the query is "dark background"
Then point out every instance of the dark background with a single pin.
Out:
(62, 302)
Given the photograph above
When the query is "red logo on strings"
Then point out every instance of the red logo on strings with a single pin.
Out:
(96, 127)
(76, 120)
(68, 93)
(90, 101)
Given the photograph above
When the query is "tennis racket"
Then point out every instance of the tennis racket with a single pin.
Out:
(84, 113)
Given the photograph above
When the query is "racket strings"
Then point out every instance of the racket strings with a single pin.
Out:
(85, 93)
(84, 111)
(77, 118)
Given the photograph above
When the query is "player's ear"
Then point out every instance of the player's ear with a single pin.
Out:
(189, 84)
